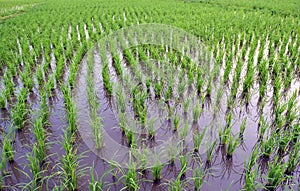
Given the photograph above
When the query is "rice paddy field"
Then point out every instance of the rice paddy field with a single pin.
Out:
(150, 95)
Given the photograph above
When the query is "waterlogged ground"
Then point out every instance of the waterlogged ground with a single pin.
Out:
(266, 56)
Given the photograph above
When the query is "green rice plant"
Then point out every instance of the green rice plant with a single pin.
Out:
(248, 82)
(148, 83)
(228, 120)
(224, 135)
(293, 160)
(2, 101)
(70, 169)
(151, 128)
(183, 160)
(177, 184)
(243, 127)
(186, 104)
(176, 120)
(120, 98)
(39, 74)
(122, 121)
(106, 81)
(209, 152)
(40, 135)
(263, 126)
(70, 107)
(196, 112)
(267, 147)
(172, 152)
(131, 181)
(198, 177)
(219, 95)
(184, 130)
(35, 169)
(276, 174)
(250, 180)
(96, 124)
(291, 112)
(129, 133)
(158, 87)
(156, 170)
(181, 87)
(232, 145)
(19, 111)
(50, 84)
(44, 110)
(169, 91)
(95, 185)
(117, 64)
(8, 149)
(197, 139)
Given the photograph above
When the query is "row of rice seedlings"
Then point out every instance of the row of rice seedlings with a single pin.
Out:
(19, 110)
(139, 97)
(96, 121)
(70, 106)
(70, 170)
(108, 85)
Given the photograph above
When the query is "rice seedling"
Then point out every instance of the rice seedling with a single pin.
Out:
(130, 177)
(198, 177)
(276, 174)
(184, 130)
(176, 120)
(156, 170)
(2, 101)
(95, 185)
(7, 149)
(106, 81)
(177, 184)
(243, 127)
(197, 139)
(210, 151)
(151, 128)
(183, 160)
(232, 145)
(186, 104)
(70, 169)
(267, 147)
(293, 160)
(39, 132)
(196, 112)
(19, 111)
